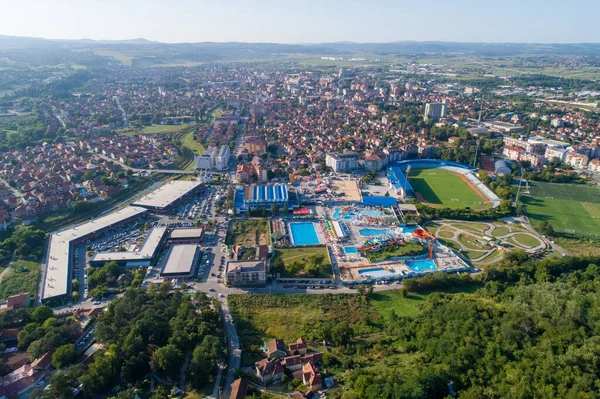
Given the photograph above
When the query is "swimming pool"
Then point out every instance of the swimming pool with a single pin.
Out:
(408, 230)
(337, 214)
(304, 233)
(350, 250)
(373, 232)
(421, 265)
(376, 272)
(372, 213)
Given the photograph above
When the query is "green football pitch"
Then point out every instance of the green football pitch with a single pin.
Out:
(444, 188)
(569, 208)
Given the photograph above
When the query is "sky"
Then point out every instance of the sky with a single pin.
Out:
(305, 21)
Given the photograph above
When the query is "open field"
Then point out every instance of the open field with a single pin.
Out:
(440, 187)
(249, 233)
(188, 140)
(165, 129)
(116, 55)
(152, 129)
(18, 280)
(569, 208)
(302, 255)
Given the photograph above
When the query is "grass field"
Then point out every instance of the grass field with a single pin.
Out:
(249, 233)
(569, 208)
(301, 254)
(158, 129)
(188, 140)
(16, 281)
(117, 55)
(441, 187)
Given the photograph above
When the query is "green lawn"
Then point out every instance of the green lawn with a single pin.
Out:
(392, 251)
(469, 241)
(527, 240)
(16, 280)
(388, 302)
(166, 129)
(500, 231)
(444, 188)
(569, 208)
(302, 254)
(188, 141)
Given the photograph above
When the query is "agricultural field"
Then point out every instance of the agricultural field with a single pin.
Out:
(302, 261)
(442, 188)
(249, 233)
(569, 208)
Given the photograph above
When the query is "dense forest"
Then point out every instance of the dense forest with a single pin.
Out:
(146, 333)
(529, 331)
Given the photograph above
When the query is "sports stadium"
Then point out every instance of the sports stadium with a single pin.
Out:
(440, 184)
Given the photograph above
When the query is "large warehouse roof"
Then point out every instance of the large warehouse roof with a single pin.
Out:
(260, 193)
(166, 195)
(181, 259)
(186, 233)
(57, 269)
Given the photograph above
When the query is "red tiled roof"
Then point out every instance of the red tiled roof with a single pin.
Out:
(239, 389)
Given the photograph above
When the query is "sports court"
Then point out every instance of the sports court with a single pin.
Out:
(440, 187)
(569, 208)
(348, 188)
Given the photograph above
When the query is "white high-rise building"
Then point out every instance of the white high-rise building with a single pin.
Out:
(435, 111)
(222, 158)
(206, 161)
(345, 162)
(214, 158)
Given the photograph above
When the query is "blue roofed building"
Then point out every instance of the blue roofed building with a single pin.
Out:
(265, 196)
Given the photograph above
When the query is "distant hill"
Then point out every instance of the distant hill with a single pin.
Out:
(143, 52)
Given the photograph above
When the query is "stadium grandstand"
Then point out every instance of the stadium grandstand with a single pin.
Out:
(396, 174)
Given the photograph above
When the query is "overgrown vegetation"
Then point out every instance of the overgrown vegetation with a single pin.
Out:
(528, 332)
(302, 261)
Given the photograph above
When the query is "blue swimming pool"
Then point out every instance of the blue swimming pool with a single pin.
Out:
(350, 250)
(372, 213)
(408, 230)
(376, 272)
(337, 214)
(373, 232)
(304, 233)
(421, 265)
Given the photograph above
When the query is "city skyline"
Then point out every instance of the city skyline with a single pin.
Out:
(310, 22)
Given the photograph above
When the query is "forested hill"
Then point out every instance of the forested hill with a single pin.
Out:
(531, 332)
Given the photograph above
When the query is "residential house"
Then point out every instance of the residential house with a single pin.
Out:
(239, 389)
(298, 348)
(275, 348)
(269, 370)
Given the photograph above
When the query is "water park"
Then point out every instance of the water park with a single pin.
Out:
(391, 253)
(368, 244)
